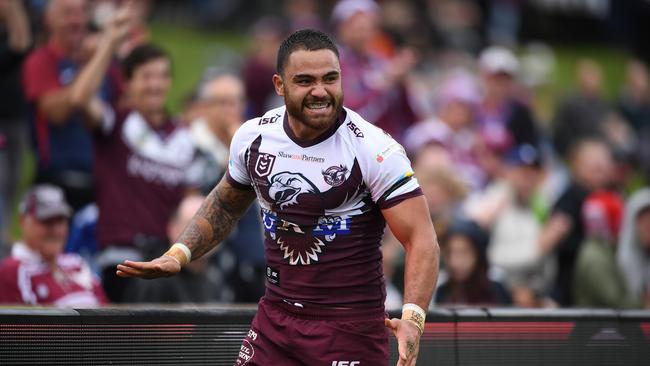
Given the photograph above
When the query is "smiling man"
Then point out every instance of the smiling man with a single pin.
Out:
(38, 272)
(327, 182)
(143, 166)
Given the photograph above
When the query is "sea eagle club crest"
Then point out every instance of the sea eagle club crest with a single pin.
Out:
(335, 175)
(303, 238)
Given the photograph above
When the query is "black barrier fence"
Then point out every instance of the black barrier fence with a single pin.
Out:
(213, 335)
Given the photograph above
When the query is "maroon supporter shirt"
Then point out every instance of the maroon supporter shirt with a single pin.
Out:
(321, 205)
(26, 279)
(142, 173)
(61, 147)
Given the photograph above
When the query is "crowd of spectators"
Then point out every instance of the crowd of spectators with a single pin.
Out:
(529, 212)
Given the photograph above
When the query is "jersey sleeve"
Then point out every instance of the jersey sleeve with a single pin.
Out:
(237, 173)
(389, 175)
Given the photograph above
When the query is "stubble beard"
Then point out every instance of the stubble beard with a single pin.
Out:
(297, 111)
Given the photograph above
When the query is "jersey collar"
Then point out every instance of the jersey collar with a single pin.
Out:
(23, 253)
(322, 137)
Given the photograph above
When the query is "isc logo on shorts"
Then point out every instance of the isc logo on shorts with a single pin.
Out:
(346, 363)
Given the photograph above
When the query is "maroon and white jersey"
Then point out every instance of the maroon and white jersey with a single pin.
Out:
(321, 204)
(26, 279)
(142, 173)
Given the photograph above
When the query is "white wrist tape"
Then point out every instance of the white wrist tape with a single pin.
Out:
(415, 314)
(179, 250)
(415, 308)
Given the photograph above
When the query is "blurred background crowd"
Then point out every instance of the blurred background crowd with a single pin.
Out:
(527, 123)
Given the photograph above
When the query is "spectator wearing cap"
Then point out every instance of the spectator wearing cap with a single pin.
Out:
(598, 280)
(374, 83)
(454, 128)
(37, 272)
(508, 208)
(64, 83)
(464, 253)
(504, 121)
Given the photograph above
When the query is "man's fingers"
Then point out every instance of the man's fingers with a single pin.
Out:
(412, 354)
(403, 360)
(413, 360)
(137, 265)
(391, 324)
(160, 267)
(402, 351)
(120, 273)
(407, 341)
(128, 271)
(407, 350)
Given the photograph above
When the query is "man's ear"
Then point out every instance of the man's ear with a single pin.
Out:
(278, 84)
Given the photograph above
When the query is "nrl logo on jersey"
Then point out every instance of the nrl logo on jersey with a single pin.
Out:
(264, 164)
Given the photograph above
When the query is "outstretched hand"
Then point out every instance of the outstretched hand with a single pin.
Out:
(160, 267)
(408, 340)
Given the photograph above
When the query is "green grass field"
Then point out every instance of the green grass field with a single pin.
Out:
(192, 51)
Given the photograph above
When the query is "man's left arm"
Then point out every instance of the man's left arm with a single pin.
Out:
(411, 224)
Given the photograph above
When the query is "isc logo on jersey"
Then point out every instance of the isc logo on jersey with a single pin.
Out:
(346, 363)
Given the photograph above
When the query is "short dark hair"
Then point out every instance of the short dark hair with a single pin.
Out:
(305, 39)
(141, 55)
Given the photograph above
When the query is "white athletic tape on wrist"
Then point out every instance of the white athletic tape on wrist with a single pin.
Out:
(414, 307)
(415, 314)
(180, 252)
(186, 250)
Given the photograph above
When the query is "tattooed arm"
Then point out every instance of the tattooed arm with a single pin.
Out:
(217, 216)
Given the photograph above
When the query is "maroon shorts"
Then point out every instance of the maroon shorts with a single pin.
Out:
(283, 334)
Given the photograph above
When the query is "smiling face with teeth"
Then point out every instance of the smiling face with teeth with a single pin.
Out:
(311, 86)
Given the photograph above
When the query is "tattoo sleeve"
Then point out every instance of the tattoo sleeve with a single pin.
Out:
(215, 219)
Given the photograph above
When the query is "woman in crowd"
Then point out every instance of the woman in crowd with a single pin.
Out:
(464, 254)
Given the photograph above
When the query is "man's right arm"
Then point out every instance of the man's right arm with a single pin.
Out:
(218, 214)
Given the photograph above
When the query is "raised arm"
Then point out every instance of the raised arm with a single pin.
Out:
(411, 224)
(211, 225)
(15, 19)
(60, 104)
